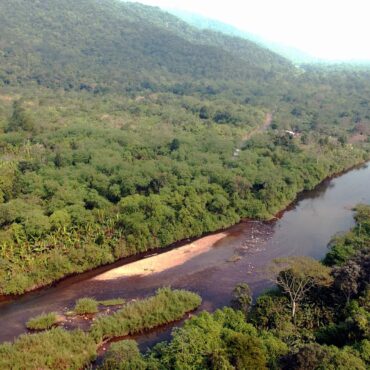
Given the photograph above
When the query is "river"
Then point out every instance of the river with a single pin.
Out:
(241, 254)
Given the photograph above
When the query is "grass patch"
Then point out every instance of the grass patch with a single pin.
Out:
(164, 307)
(112, 302)
(55, 349)
(43, 321)
(85, 306)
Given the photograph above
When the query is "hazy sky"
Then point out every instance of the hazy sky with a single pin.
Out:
(330, 29)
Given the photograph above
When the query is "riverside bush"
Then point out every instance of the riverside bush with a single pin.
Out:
(60, 349)
(55, 349)
(85, 306)
(164, 307)
(43, 322)
(123, 355)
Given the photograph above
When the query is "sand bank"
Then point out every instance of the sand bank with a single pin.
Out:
(161, 262)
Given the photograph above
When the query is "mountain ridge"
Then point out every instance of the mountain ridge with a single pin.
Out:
(127, 45)
(293, 54)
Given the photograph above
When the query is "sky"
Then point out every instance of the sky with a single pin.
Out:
(326, 29)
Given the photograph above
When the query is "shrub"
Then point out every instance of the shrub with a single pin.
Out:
(85, 306)
(43, 322)
(314, 356)
(164, 307)
(124, 355)
(242, 298)
(245, 352)
(54, 349)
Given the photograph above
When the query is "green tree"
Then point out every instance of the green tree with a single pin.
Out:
(346, 278)
(20, 120)
(123, 355)
(296, 276)
(175, 145)
(316, 357)
(242, 298)
(246, 352)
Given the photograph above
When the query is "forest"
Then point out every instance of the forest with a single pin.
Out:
(123, 129)
(103, 156)
(89, 180)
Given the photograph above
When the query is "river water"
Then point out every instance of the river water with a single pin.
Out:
(242, 256)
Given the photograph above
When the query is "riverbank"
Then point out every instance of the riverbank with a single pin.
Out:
(304, 229)
(142, 268)
(160, 262)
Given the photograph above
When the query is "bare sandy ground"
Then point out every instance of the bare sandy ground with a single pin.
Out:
(161, 262)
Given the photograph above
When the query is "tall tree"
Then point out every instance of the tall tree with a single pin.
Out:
(20, 120)
(296, 276)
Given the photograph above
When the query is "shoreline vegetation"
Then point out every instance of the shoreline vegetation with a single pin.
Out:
(58, 348)
(187, 251)
(328, 326)
(317, 317)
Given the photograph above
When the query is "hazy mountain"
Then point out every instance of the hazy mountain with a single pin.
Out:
(204, 23)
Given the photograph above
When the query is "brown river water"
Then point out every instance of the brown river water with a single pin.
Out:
(240, 255)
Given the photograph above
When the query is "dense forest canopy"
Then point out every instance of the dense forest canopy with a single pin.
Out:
(125, 129)
(115, 46)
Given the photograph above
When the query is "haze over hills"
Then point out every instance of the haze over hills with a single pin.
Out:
(204, 23)
(293, 54)
(305, 32)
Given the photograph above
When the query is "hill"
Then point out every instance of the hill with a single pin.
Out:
(110, 45)
(293, 54)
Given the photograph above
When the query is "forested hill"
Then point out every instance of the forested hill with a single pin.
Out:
(104, 45)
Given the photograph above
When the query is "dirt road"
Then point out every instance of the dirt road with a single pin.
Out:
(258, 130)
